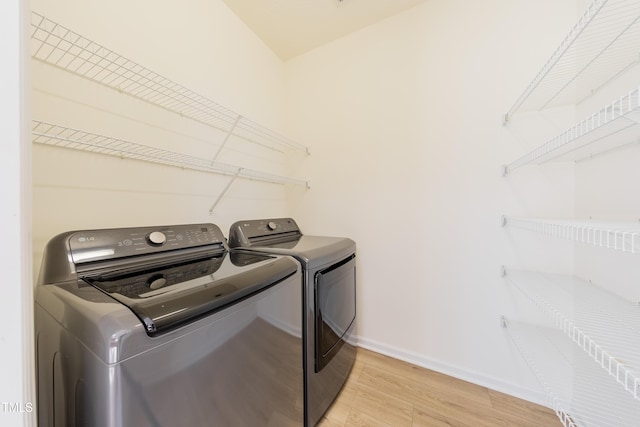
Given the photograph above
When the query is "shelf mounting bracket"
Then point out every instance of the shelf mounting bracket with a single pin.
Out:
(224, 191)
(503, 322)
(503, 271)
(226, 138)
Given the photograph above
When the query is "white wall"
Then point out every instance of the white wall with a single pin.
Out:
(203, 46)
(404, 123)
(16, 337)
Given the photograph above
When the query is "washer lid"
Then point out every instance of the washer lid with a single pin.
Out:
(170, 296)
(283, 236)
(311, 251)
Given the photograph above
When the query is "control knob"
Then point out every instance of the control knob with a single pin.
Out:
(156, 281)
(157, 238)
(272, 225)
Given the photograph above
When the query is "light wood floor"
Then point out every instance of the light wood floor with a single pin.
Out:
(382, 391)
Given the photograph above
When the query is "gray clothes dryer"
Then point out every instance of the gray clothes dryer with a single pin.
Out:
(329, 292)
(165, 326)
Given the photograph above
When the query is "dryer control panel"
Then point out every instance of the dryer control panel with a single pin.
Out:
(262, 231)
(98, 245)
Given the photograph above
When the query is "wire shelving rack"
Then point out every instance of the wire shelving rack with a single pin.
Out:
(605, 326)
(594, 133)
(59, 136)
(588, 363)
(603, 44)
(581, 393)
(616, 235)
(61, 47)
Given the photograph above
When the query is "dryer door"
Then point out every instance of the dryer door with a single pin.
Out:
(335, 308)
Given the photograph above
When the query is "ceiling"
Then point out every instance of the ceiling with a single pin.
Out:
(293, 27)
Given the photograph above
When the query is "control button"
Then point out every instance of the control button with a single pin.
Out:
(157, 238)
(272, 225)
(127, 242)
(156, 281)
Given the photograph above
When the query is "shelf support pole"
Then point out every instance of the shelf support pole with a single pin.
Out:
(226, 138)
(224, 191)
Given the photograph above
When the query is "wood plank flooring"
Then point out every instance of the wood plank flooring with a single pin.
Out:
(382, 391)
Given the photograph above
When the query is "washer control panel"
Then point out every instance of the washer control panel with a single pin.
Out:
(97, 245)
(157, 238)
(245, 233)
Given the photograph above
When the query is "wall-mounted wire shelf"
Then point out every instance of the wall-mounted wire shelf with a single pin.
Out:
(605, 326)
(581, 393)
(57, 45)
(602, 45)
(59, 136)
(618, 236)
(593, 134)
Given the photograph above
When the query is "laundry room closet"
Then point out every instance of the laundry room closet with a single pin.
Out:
(102, 70)
(418, 136)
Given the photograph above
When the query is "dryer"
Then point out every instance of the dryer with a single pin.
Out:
(165, 326)
(329, 305)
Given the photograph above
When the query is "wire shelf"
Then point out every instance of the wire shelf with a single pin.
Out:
(59, 46)
(602, 45)
(581, 393)
(59, 136)
(618, 236)
(605, 326)
(618, 118)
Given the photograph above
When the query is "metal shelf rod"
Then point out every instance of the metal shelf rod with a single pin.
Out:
(54, 135)
(224, 191)
(226, 138)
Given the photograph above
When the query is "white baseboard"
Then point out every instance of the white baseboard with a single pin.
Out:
(455, 371)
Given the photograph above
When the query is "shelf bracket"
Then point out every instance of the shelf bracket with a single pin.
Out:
(224, 191)
(226, 138)
(503, 271)
(503, 322)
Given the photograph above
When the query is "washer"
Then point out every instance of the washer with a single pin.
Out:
(329, 292)
(165, 326)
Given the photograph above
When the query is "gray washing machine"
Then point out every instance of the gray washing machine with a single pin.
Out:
(329, 292)
(165, 326)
